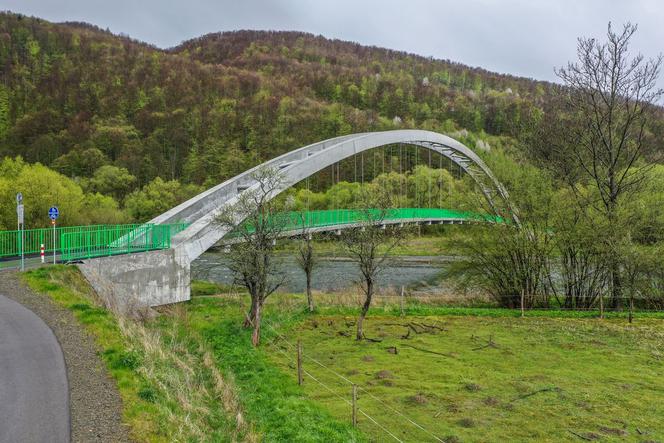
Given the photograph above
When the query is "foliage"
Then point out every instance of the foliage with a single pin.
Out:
(76, 98)
(170, 388)
(157, 197)
(43, 188)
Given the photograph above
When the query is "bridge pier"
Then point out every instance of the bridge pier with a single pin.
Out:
(146, 279)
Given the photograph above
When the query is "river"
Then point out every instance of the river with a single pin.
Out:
(334, 273)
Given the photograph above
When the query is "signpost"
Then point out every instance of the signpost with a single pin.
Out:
(53, 214)
(21, 226)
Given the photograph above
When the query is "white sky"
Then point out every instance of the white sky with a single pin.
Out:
(521, 37)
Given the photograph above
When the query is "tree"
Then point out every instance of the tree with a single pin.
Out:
(111, 180)
(256, 221)
(157, 197)
(306, 258)
(610, 101)
(369, 245)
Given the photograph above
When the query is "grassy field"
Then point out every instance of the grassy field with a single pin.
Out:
(460, 374)
(467, 378)
(495, 379)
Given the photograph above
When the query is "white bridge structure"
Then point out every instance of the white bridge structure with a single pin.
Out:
(161, 277)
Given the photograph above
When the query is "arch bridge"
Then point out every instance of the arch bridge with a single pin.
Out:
(163, 276)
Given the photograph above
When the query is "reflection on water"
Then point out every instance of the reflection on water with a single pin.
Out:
(332, 274)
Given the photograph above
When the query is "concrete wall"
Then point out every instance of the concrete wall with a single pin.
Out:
(137, 280)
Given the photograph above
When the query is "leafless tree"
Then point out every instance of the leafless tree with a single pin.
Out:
(256, 221)
(369, 245)
(306, 257)
(608, 106)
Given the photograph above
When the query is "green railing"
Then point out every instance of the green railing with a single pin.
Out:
(114, 240)
(292, 221)
(81, 242)
(10, 241)
(76, 242)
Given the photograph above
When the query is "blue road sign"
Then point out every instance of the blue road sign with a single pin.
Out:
(53, 213)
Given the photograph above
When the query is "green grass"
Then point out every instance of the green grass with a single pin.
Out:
(552, 376)
(276, 405)
(540, 379)
(170, 387)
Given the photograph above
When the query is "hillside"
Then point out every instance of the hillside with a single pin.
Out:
(75, 97)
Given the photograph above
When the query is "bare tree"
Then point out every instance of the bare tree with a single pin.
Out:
(306, 257)
(369, 244)
(609, 102)
(255, 222)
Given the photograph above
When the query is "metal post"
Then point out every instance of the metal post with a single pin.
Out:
(402, 300)
(54, 242)
(299, 363)
(22, 246)
(354, 405)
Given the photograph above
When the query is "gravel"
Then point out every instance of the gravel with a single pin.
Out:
(96, 406)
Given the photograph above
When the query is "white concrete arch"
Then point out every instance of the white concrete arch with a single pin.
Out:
(301, 163)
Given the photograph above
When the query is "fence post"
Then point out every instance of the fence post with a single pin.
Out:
(354, 405)
(299, 362)
(402, 300)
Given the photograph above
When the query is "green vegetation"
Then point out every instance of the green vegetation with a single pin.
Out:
(170, 387)
(498, 379)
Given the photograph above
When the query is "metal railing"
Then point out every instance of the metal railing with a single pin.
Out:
(78, 242)
(114, 240)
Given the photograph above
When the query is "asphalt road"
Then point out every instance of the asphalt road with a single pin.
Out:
(34, 393)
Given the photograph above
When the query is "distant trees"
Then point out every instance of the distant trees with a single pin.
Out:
(157, 197)
(42, 188)
(77, 98)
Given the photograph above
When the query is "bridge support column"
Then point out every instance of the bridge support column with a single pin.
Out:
(146, 279)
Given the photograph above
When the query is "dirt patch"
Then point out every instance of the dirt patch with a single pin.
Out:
(473, 387)
(418, 399)
(96, 407)
(384, 374)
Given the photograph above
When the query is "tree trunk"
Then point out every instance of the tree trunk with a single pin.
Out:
(523, 303)
(365, 309)
(250, 319)
(310, 298)
(256, 335)
(601, 305)
(615, 284)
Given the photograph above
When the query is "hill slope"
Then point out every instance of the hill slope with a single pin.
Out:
(75, 97)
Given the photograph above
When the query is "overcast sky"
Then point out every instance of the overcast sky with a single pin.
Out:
(521, 37)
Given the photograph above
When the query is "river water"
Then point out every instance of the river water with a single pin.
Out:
(333, 273)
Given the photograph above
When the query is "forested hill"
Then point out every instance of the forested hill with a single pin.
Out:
(75, 97)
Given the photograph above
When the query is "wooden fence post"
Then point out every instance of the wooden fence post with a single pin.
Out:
(354, 405)
(299, 362)
(402, 300)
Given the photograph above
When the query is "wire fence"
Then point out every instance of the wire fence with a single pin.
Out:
(346, 385)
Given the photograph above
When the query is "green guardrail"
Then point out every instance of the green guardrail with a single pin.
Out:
(293, 220)
(117, 240)
(77, 242)
(81, 242)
